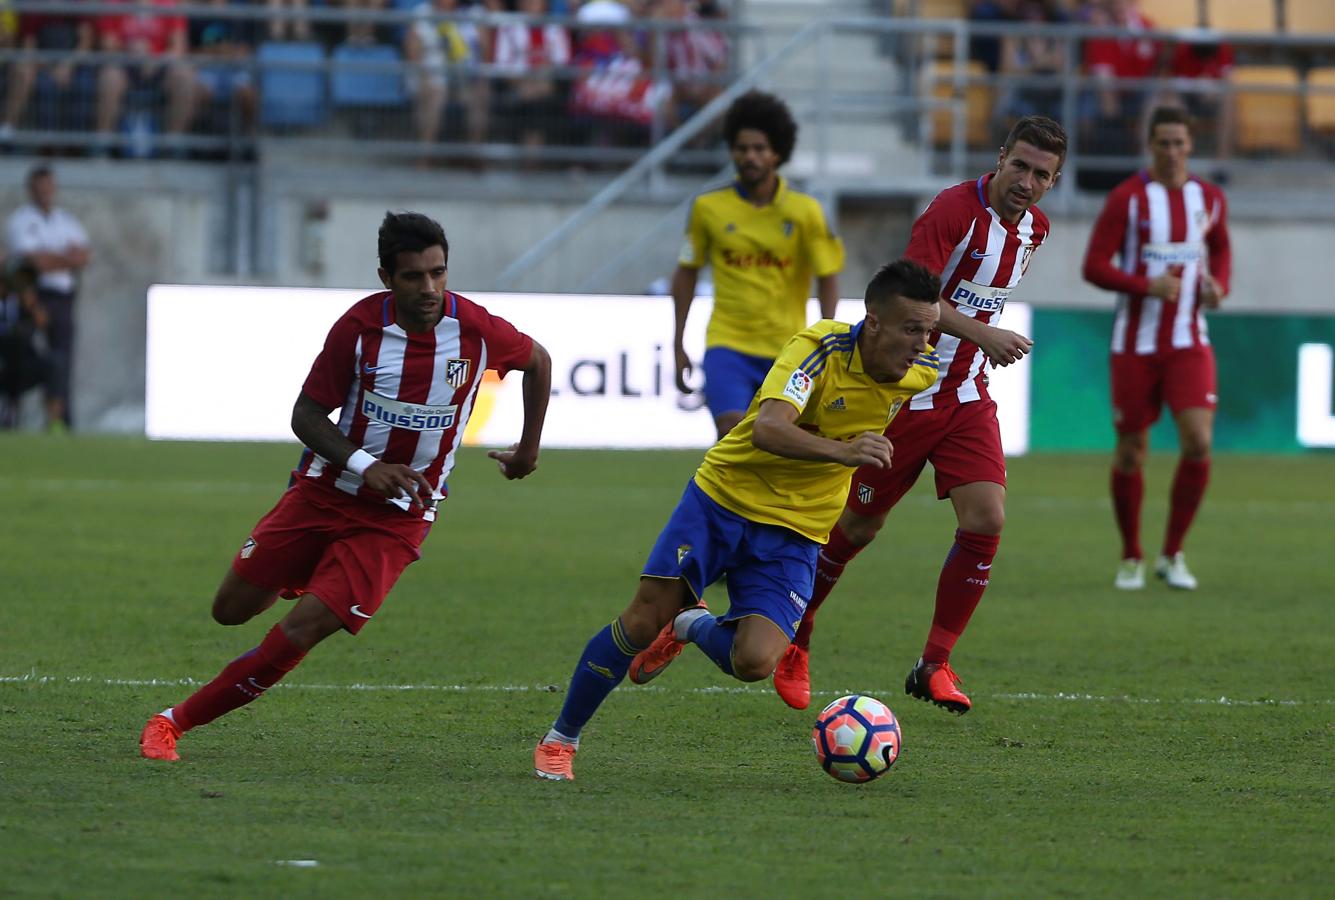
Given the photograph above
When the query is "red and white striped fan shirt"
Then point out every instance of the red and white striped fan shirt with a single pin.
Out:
(1153, 230)
(406, 397)
(981, 258)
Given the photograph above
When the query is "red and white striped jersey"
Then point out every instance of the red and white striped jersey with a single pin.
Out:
(981, 258)
(1153, 230)
(406, 397)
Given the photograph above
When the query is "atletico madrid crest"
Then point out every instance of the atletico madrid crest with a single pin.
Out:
(456, 372)
(865, 493)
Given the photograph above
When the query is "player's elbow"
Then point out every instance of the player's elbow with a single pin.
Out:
(765, 436)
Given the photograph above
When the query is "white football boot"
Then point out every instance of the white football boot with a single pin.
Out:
(1130, 575)
(1174, 572)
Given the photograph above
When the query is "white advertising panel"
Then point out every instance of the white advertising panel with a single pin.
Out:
(226, 363)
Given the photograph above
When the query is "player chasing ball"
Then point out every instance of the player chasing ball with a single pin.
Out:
(404, 366)
(761, 503)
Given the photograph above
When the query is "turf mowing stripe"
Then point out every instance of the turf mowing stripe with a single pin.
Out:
(33, 678)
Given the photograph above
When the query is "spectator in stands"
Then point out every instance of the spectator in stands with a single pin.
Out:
(56, 246)
(156, 48)
(528, 52)
(1112, 113)
(696, 57)
(1033, 54)
(987, 49)
(363, 31)
(441, 52)
(295, 26)
(65, 78)
(1190, 64)
(221, 46)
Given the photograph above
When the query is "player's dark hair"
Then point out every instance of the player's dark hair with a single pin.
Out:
(765, 113)
(408, 232)
(40, 170)
(902, 278)
(1041, 132)
(1169, 115)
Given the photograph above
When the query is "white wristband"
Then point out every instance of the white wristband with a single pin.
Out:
(359, 462)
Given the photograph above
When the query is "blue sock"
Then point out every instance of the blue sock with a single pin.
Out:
(604, 663)
(714, 640)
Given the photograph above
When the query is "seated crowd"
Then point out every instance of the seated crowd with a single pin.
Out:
(573, 70)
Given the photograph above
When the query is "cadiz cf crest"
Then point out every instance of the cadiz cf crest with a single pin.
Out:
(865, 493)
(456, 372)
(682, 551)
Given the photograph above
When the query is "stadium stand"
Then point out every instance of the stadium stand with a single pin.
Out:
(292, 84)
(1268, 109)
(1242, 15)
(1311, 17)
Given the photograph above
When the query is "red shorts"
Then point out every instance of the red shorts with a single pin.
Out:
(962, 442)
(1141, 385)
(343, 550)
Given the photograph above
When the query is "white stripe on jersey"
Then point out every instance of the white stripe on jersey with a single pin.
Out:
(947, 345)
(439, 394)
(1130, 260)
(1160, 232)
(1025, 232)
(1193, 201)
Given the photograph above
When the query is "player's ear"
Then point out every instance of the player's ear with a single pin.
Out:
(386, 279)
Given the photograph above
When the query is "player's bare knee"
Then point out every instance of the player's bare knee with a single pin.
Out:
(228, 610)
(860, 530)
(752, 666)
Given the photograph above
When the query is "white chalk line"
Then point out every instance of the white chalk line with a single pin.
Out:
(32, 678)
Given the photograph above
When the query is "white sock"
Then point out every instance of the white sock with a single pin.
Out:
(558, 737)
(681, 625)
(167, 714)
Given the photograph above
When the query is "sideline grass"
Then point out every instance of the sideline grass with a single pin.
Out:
(1143, 784)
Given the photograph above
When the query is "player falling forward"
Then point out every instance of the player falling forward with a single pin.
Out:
(404, 365)
(764, 241)
(979, 235)
(1168, 230)
(761, 504)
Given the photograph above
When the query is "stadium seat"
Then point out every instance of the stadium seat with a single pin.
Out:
(1321, 100)
(366, 75)
(292, 84)
(1241, 15)
(1267, 120)
(1169, 14)
(938, 80)
(1309, 17)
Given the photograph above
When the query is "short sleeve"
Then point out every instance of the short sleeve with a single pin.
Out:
(824, 247)
(78, 237)
(15, 239)
(507, 347)
(331, 374)
(788, 379)
(934, 236)
(695, 245)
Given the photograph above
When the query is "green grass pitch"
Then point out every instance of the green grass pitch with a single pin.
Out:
(1144, 744)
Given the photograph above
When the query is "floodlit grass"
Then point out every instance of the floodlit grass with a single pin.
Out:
(1146, 744)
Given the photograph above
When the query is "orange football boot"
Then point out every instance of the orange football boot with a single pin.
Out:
(792, 677)
(936, 684)
(554, 761)
(158, 739)
(650, 662)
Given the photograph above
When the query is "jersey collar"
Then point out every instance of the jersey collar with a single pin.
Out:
(855, 363)
(779, 190)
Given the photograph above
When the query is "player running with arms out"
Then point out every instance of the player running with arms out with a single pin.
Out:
(761, 503)
(980, 236)
(764, 241)
(1168, 231)
(404, 366)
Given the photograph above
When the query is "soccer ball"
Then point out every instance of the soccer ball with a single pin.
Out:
(856, 738)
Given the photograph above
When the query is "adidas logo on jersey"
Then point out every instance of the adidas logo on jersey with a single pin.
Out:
(837, 404)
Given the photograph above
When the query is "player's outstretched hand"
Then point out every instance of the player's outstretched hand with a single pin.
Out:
(1004, 347)
(513, 462)
(684, 368)
(869, 449)
(397, 481)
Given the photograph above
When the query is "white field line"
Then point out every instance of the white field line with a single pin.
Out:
(1026, 696)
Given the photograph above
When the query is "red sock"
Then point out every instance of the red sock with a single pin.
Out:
(830, 563)
(1188, 488)
(244, 680)
(963, 579)
(1128, 489)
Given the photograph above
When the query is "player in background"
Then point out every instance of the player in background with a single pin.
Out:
(762, 503)
(764, 241)
(979, 235)
(404, 366)
(1168, 232)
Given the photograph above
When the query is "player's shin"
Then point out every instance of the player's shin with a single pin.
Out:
(964, 577)
(600, 669)
(1189, 483)
(714, 639)
(244, 679)
(1128, 490)
(830, 563)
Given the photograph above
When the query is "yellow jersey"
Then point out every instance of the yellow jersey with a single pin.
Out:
(820, 372)
(763, 259)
